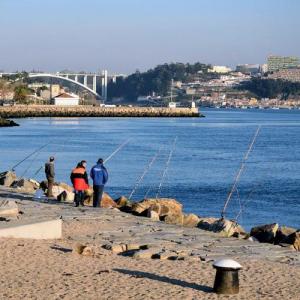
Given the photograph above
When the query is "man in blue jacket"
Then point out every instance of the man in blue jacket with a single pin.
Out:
(100, 176)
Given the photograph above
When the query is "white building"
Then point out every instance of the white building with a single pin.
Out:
(68, 99)
(219, 69)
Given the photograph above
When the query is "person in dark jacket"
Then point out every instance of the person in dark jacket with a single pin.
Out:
(99, 175)
(79, 179)
(50, 175)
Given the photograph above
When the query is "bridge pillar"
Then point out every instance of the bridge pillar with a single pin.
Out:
(76, 78)
(95, 83)
(104, 85)
(85, 80)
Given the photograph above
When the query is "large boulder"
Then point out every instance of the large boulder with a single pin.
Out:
(265, 233)
(26, 185)
(163, 206)
(7, 178)
(66, 187)
(190, 220)
(294, 240)
(8, 208)
(222, 226)
(107, 201)
(206, 223)
(282, 233)
(176, 219)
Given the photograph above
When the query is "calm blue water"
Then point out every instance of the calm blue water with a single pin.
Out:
(205, 161)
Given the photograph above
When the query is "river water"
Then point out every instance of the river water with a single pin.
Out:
(202, 167)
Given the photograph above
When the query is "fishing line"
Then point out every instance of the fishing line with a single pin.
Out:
(166, 168)
(117, 150)
(146, 170)
(237, 178)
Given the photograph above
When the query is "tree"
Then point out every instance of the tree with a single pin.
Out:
(21, 93)
(5, 89)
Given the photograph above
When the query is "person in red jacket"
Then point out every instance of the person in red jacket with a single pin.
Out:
(79, 179)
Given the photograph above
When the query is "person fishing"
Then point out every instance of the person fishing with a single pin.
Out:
(79, 179)
(99, 175)
(50, 175)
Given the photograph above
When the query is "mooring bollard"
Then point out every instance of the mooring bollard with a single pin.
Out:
(227, 276)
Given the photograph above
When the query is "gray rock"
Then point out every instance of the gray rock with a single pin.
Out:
(7, 178)
(8, 208)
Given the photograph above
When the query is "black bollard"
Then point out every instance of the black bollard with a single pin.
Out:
(227, 277)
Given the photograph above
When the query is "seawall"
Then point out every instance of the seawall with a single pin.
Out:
(27, 111)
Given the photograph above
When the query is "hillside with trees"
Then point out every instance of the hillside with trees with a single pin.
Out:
(157, 80)
(272, 88)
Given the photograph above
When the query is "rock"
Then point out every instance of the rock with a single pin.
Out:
(265, 233)
(282, 233)
(78, 248)
(44, 185)
(176, 219)
(8, 208)
(130, 247)
(294, 240)
(190, 220)
(107, 201)
(206, 223)
(88, 251)
(225, 227)
(153, 215)
(163, 206)
(26, 185)
(66, 187)
(122, 201)
(7, 178)
(163, 255)
(118, 248)
(62, 194)
(144, 254)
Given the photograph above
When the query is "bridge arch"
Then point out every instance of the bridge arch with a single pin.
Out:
(64, 78)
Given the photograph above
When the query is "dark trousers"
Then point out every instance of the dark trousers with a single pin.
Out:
(98, 192)
(50, 186)
(79, 198)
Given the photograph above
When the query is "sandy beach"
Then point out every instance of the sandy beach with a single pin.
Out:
(51, 269)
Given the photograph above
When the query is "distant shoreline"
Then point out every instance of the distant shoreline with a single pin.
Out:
(22, 111)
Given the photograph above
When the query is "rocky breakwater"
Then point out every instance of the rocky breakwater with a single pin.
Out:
(7, 123)
(22, 111)
(164, 210)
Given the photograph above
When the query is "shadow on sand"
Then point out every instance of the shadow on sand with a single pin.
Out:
(139, 274)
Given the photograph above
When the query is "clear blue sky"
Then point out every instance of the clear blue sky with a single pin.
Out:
(125, 35)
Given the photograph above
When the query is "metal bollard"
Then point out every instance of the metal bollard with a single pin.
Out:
(227, 276)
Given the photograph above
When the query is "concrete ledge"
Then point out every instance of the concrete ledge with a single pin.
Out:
(50, 229)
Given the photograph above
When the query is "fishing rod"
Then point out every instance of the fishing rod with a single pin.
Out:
(237, 178)
(117, 150)
(146, 170)
(34, 152)
(166, 167)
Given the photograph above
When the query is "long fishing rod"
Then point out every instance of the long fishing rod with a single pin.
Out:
(166, 167)
(237, 178)
(117, 150)
(24, 159)
(63, 145)
(146, 170)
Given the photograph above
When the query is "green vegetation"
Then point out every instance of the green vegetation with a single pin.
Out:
(21, 94)
(271, 88)
(157, 80)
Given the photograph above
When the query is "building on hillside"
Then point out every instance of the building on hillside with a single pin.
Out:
(66, 99)
(292, 75)
(219, 69)
(248, 68)
(276, 63)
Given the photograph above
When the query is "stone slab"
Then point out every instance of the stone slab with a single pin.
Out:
(47, 229)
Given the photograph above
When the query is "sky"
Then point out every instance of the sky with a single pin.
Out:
(125, 35)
